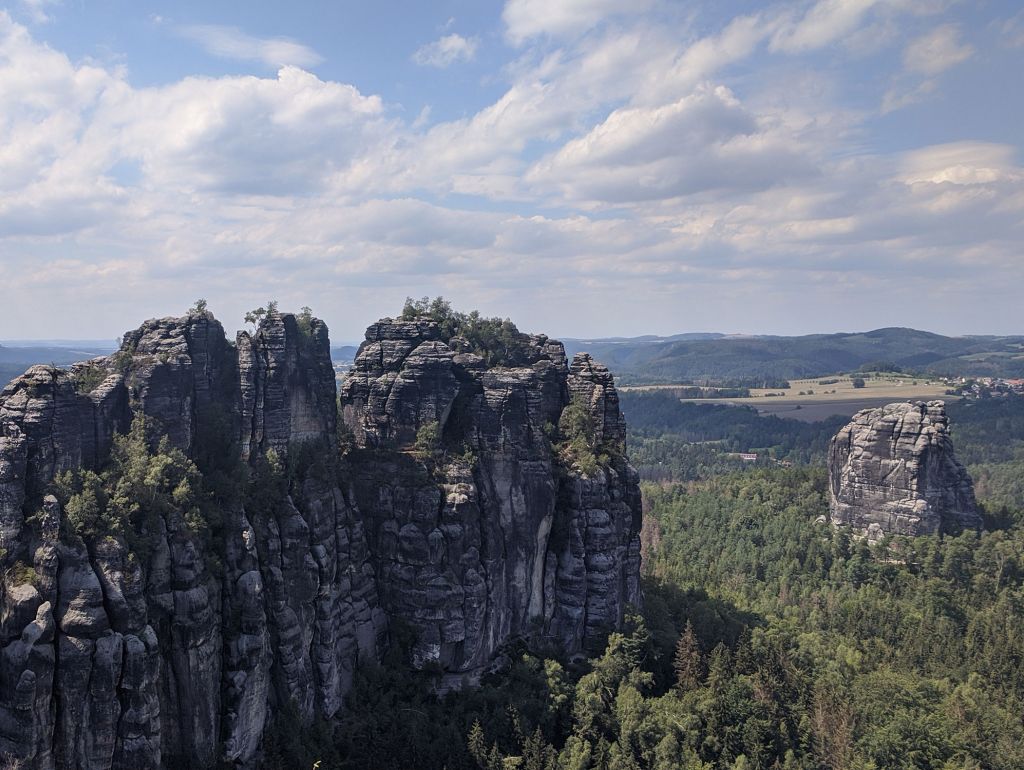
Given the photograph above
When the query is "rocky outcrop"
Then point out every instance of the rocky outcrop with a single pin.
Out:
(182, 373)
(114, 660)
(287, 385)
(893, 471)
(180, 651)
(495, 536)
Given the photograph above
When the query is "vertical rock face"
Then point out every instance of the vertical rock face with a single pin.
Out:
(110, 660)
(598, 545)
(180, 653)
(495, 536)
(287, 385)
(893, 471)
(181, 373)
(298, 578)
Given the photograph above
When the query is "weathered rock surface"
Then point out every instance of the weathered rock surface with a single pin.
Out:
(893, 471)
(109, 661)
(502, 539)
(181, 655)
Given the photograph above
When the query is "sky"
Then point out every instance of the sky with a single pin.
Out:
(586, 167)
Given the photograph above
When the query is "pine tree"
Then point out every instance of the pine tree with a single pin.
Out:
(688, 662)
(476, 741)
(494, 759)
(719, 667)
(538, 754)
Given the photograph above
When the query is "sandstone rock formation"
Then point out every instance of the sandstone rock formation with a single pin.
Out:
(893, 471)
(510, 542)
(181, 653)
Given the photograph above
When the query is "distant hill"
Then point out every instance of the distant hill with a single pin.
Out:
(695, 357)
(749, 360)
(574, 345)
(9, 371)
(344, 354)
(17, 356)
(60, 356)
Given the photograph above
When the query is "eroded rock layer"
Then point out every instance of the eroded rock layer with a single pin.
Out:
(179, 652)
(893, 471)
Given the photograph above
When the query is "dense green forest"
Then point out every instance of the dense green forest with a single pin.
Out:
(766, 640)
(673, 440)
(989, 438)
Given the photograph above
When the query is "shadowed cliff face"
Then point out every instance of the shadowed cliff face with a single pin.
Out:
(179, 650)
(893, 471)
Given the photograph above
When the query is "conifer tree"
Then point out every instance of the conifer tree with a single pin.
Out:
(477, 744)
(688, 662)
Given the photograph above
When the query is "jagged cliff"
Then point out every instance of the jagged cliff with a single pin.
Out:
(166, 630)
(893, 471)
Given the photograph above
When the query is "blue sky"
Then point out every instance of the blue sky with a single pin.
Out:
(586, 167)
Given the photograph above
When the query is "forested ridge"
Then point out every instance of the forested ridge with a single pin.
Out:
(758, 361)
(767, 640)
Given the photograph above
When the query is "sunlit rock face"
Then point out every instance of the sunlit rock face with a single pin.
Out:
(180, 654)
(893, 471)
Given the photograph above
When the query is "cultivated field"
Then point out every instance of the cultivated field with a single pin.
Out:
(810, 400)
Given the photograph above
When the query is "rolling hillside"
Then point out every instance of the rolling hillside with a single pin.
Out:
(16, 357)
(751, 360)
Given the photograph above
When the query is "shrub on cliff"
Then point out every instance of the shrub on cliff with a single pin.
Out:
(140, 483)
(578, 443)
(88, 377)
(428, 440)
(496, 340)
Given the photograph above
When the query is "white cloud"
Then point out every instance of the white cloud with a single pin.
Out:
(826, 22)
(900, 96)
(960, 163)
(74, 139)
(233, 43)
(702, 143)
(562, 18)
(36, 9)
(245, 135)
(937, 51)
(628, 168)
(706, 56)
(446, 50)
(1012, 30)
(924, 59)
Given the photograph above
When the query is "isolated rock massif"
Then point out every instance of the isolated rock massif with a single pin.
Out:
(511, 542)
(893, 471)
(180, 650)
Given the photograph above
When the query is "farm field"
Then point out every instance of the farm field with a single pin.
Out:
(813, 411)
(810, 401)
